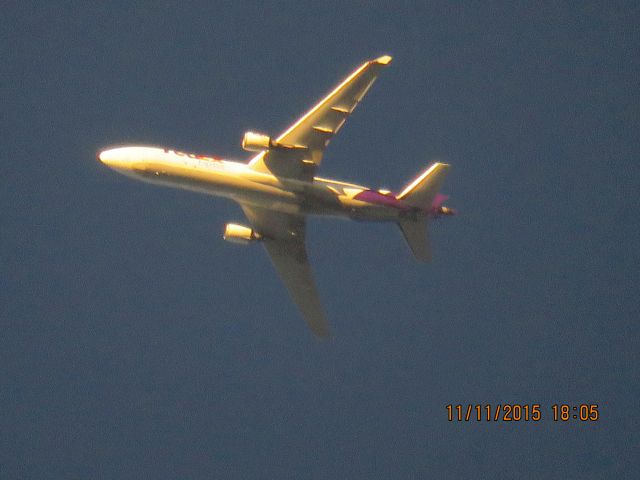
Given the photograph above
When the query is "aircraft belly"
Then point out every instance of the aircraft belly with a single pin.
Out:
(359, 210)
(221, 184)
(375, 213)
(284, 196)
(364, 211)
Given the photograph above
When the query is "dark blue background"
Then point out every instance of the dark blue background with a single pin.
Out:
(135, 343)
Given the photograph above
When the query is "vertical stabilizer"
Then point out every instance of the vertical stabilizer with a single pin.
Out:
(416, 235)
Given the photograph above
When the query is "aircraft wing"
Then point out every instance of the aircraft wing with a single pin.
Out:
(304, 141)
(283, 237)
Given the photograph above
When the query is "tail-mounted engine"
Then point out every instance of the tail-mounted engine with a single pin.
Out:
(257, 142)
(446, 210)
(235, 233)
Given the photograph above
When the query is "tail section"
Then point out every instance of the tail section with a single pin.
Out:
(422, 193)
(423, 190)
(417, 238)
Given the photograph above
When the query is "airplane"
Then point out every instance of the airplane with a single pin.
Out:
(279, 187)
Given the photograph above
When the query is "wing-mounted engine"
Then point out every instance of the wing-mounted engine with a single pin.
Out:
(257, 142)
(235, 233)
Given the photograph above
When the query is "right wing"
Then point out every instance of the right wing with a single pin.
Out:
(311, 134)
(283, 237)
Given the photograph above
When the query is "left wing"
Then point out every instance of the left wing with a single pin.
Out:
(283, 236)
(311, 134)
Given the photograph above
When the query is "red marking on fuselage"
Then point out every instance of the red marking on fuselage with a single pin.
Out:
(192, 155)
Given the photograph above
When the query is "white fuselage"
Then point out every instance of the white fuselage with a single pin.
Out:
(237, 181)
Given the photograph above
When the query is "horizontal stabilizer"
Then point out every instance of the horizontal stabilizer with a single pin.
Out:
(421, 191)
(416, 235)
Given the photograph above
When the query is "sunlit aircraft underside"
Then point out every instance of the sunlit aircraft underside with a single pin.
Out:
(279, 187)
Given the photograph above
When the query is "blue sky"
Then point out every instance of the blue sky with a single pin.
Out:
(137, 343)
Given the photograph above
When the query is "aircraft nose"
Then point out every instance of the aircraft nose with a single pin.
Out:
(120, 159)
(110, 157)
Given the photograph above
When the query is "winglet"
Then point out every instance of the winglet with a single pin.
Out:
(384, 60)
